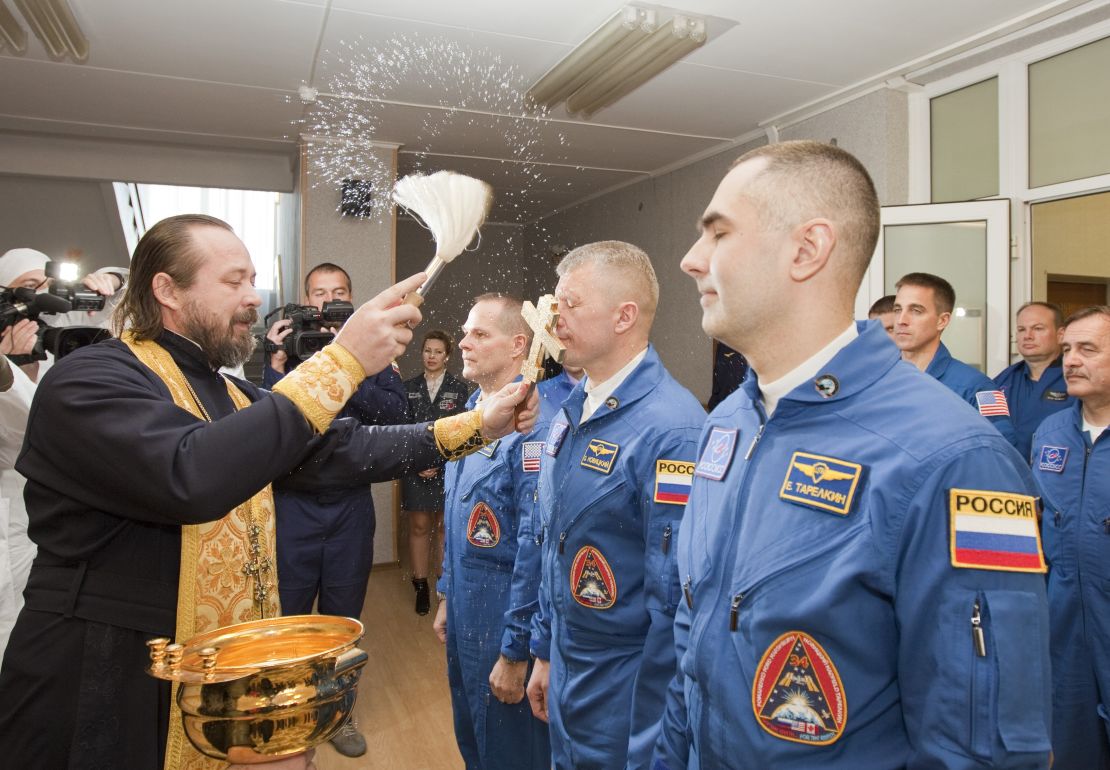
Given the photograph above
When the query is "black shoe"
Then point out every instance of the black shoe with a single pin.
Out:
(423, 602)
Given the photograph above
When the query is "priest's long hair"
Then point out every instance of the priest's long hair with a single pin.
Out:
(165, 248)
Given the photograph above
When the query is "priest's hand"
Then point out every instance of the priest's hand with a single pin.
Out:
(537, 688)
(506, 680)
(514, 407)
(242, 758)
(378, 331)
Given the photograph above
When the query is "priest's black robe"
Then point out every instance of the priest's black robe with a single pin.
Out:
(114, 468)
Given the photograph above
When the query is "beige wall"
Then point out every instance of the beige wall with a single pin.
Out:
(1070, 239)
(365, 249)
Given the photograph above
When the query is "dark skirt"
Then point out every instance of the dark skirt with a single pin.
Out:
(420, 494)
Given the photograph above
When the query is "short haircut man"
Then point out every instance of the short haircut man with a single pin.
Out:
(923, 308)
(1034, 386)
(491, 565)
(791, 643)
(883, 309)
(1071, 465)
(613, 477)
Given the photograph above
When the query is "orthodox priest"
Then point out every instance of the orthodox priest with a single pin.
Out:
(149, 492)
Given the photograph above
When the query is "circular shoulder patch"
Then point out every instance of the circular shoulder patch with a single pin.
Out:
(591, 579)
(797, 694)
(483, 529)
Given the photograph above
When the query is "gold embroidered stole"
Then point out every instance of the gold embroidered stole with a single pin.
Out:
(228, 567)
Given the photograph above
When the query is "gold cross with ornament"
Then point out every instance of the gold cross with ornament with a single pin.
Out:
(542, 317)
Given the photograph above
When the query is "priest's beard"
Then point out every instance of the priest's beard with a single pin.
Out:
(224, 345)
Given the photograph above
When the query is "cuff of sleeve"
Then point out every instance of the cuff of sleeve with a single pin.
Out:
(459, 435)
(540, 648)
(321, 385)
(514, 648)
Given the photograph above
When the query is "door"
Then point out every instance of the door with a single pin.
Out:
(967, 244)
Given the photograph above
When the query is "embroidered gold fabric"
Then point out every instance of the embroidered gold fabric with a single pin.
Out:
(321, 385)
(228, 573)
(459, 435)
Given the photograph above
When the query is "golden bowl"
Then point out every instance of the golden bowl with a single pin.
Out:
(272, 687)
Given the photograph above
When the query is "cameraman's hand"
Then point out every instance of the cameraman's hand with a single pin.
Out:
(379, 330)
(19, 339)
(277, 334)
(102, 283)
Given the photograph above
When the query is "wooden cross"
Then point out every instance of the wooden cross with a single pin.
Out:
(542, 318)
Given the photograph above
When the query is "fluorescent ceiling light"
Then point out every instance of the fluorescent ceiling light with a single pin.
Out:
(624, 53)
(11, 34)
(53, 23)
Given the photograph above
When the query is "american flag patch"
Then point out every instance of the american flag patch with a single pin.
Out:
(530, 456)
(995, 530)
(992, 403)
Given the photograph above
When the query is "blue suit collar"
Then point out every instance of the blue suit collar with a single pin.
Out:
(940, 362)
(639, 382)
(858, 364)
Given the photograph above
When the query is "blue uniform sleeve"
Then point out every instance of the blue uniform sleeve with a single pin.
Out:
(672, 748)
(969, 700)
(661, 588)
(380, 400)
(524, 591)
(540, 642)
(1004, 426)
(270, 377)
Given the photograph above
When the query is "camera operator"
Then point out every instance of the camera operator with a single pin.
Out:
(16, 549)
(26, 268)
(326, 541)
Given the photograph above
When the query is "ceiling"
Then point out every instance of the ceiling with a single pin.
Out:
(443, 79)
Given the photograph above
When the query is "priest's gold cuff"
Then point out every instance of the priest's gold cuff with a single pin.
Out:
(459, 435)
(321, 385)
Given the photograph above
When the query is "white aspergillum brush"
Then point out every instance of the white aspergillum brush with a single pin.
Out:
(452, 206)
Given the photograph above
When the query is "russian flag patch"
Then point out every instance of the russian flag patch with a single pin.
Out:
(672, 481)
(995, 530)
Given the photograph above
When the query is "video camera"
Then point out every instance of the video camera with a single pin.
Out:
(65, 284)
(22, 303)
(308, 335)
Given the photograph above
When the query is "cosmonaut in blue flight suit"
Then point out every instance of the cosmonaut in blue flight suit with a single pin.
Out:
(862, 582)
(1031, 401)
(491, 576)
(326, 539)
(975, 388)
(611, 496)
(1073, 476)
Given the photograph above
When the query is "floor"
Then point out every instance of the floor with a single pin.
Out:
(403, 707)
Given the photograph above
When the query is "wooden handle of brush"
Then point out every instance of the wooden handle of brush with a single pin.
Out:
(414, 299)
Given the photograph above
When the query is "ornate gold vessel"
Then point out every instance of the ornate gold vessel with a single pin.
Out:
(273, 687)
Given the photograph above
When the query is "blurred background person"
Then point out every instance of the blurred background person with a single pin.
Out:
(432, 394)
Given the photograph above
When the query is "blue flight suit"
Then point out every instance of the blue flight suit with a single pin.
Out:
(325, 540)
(556, 389)
(1031, 401)
(1073, 476)
(611, 495)
(968, 383)
(823, 622)
(491, 576)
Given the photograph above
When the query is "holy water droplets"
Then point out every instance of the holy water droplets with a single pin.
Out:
(453, 107)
